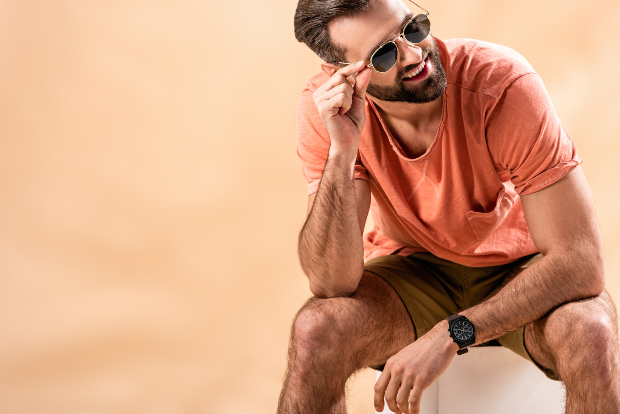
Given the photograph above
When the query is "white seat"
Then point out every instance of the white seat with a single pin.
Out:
(492, 380)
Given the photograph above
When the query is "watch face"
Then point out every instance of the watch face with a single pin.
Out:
(463, 330)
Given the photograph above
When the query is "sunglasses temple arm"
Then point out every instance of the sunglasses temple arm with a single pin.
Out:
(345, 63)
(427, 12)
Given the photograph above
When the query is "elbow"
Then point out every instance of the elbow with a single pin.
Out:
(597, 273)
(597, 283)
(592, 277)
(594, 287)
(343, 286)
(325, 292)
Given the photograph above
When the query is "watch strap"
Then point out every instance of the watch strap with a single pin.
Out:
(453, 317)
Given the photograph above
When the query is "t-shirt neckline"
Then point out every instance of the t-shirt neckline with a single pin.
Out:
(394, 143)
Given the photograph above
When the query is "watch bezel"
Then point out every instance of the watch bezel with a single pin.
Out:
(452, 321)
(463, 330)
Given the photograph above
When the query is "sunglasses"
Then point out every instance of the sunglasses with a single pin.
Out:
(414, 31)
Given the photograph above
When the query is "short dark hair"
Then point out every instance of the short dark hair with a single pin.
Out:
(312, 18)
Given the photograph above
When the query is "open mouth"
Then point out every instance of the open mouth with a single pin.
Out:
(420, 72)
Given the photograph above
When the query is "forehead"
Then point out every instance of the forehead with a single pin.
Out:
(359, 34)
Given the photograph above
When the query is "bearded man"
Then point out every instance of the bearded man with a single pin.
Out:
(484, 225)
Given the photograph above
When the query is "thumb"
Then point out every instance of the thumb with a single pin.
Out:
(361, 83)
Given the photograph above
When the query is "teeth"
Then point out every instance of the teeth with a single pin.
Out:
(418, 70)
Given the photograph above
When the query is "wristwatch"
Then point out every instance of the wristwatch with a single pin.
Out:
(461, 331)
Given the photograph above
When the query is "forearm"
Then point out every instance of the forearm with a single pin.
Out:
(546, 284)
(330, 245)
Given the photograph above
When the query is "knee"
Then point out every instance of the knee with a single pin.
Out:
(586, 342)
(320, 325)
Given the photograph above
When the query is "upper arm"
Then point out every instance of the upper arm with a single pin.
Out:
(562, 221)
(362, 198)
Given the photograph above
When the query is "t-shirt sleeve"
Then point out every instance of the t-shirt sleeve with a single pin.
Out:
(525, 137)
(313, 143)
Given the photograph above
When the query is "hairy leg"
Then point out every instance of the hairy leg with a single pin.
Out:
(579, 342)
(333, 338)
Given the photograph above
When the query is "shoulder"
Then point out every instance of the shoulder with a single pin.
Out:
(309, 124)
(482, 67)
(305, 107)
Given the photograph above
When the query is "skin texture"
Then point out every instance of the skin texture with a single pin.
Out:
(330, 248)
(356, 320)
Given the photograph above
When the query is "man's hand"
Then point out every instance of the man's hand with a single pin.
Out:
(412, 370)
(341, 105)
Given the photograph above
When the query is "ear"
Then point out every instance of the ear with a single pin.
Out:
(329, 68)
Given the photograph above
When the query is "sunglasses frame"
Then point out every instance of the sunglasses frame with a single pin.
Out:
(401, 34)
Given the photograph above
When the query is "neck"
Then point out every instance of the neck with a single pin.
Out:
(417, 115)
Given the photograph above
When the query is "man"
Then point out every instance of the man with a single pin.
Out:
(482, 216)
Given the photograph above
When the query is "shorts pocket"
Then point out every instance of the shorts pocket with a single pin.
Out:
(483, 224)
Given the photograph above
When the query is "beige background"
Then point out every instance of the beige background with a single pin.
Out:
(151, 196)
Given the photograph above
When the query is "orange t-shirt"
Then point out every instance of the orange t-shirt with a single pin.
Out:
(499, 137)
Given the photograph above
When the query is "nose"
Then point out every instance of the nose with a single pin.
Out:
(408, 54)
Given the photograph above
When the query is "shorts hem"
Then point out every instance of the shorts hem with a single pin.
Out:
(419, 325)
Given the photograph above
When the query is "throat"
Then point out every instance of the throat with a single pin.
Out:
(415, 133)
(414, 145)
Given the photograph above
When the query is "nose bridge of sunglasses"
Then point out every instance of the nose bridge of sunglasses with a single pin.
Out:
(404, 46)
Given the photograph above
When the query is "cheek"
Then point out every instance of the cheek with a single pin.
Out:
(383, 79)
(427, 43)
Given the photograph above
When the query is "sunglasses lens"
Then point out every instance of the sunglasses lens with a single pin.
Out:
(384, 58)
(418, 29)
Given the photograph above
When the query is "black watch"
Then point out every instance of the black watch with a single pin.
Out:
(462, 332)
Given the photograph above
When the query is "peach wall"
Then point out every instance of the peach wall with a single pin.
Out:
(151, 196)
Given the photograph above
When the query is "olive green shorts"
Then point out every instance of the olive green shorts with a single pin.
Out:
(433, 289)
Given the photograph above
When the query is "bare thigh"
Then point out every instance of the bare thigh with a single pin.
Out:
(369, 326)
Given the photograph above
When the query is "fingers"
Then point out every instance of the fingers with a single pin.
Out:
(405, 397)
(415, 400)
(341, 97)
(352, 68)
(337, 100)
(361, 83)
(341, 113)
(344, 88)
(380, 387)
(402, 398)
(341, 75)
(390, 395)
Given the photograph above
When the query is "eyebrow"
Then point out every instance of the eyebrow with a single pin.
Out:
(405, 20)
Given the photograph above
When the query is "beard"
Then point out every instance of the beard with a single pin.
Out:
(424, 91)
